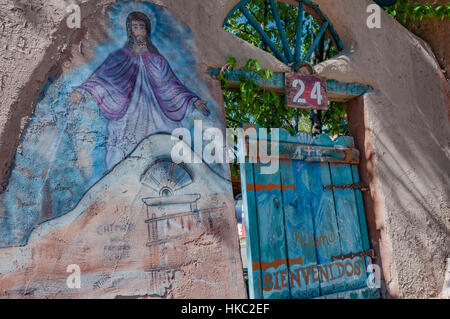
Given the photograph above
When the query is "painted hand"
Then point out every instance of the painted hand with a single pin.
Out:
(201, 106)
(76, 97)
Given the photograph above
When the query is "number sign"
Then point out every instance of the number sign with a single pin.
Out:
(306, 91)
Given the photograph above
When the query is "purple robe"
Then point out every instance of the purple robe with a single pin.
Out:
(139, 94)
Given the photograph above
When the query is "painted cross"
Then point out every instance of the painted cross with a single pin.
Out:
(306, 91)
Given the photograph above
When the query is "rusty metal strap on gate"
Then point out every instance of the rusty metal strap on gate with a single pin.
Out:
(359, 186)
(369, 253)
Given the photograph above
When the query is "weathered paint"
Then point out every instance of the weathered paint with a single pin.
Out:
(69, 146)
(130, 241)
(337, 90)
(308, 153)
(94, 184)
(272, 239)
(298, 222)
(306, 91)
(252, 234)
(318, 154)
(347, 220)
(325, 224)
(300, 235)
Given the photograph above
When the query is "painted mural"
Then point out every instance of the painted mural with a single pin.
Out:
(141, 81)
(137, 92)
(150, 228)
(94, 185)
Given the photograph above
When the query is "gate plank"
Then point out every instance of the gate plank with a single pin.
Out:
(300, 229)
(349, 228)
(274, 268)
(295, 256)
(251, 231)
(326, 229)
(362, 216)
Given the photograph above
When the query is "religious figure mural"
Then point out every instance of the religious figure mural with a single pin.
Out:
(138, 92)
(141, 79)
(94, 184)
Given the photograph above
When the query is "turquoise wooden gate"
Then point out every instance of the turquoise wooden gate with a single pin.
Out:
(305, 224)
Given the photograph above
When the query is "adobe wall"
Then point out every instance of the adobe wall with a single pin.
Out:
(135, 222)
(407, 128)
(406, 113)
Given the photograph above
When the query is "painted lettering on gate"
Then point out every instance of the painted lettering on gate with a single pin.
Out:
(311, 274)
(308, 239)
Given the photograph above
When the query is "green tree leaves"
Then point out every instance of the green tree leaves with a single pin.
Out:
(405, 9)
(250, 102)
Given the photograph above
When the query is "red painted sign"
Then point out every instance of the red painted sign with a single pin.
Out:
(306, 91)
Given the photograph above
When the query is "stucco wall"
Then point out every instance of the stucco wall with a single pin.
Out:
(379, 239)
(121, 228)
(406, 112)
(407, 124)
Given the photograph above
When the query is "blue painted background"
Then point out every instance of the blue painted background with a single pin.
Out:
(47, 179)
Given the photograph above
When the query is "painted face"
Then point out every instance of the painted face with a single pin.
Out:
(139, 31)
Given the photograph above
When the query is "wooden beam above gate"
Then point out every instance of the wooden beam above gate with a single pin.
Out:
(337, 91)
(307, 153)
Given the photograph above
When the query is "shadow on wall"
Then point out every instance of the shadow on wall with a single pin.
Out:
(416, 194)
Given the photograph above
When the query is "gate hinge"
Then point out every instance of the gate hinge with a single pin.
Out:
(360, 186)
(370, 253)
